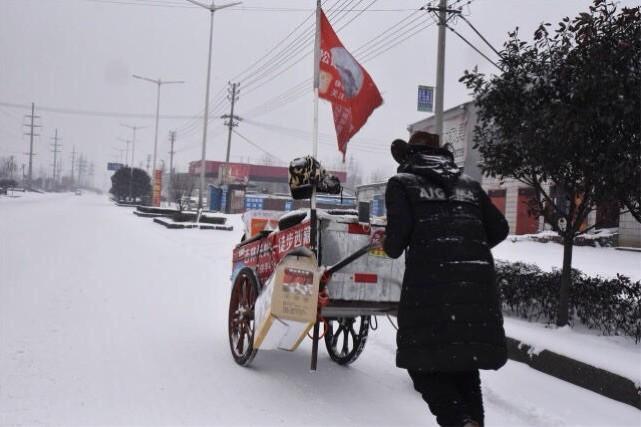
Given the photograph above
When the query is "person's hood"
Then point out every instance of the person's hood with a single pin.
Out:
(436, 164)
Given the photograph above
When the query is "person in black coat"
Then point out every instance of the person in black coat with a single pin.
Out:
(449, 320)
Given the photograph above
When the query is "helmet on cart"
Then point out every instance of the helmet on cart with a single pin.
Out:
(305, 173)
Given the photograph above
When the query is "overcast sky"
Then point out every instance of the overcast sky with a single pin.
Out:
(79, 55)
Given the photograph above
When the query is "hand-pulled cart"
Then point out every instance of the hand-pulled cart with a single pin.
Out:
(360, 282)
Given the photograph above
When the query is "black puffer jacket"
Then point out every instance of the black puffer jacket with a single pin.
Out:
(449, 314)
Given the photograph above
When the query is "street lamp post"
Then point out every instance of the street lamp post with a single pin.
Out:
(158, 82)
(131, 166)
(211, 8)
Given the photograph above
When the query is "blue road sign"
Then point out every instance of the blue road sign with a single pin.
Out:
(114, 166)
(425, 98)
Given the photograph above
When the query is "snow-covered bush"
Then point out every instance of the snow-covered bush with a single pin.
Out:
(612, 306)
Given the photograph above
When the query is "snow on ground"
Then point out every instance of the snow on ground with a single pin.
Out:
(110, 319)
(606, 262)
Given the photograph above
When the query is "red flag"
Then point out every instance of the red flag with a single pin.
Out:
(346, 84)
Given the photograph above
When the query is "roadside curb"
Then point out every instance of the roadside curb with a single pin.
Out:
(627, 248)
(147, 215)
(202, 226)
(578, 373)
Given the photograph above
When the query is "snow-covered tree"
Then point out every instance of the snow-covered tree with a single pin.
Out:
(126, 183)
(565, 111)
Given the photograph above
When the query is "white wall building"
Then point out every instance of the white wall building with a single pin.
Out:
(509, 195)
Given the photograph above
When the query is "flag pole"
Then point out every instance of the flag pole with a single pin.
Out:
(316, 85)
(313, 219)
(316, 76)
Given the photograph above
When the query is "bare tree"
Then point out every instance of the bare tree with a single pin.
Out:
(378, 175)
(182, 186)
(8, 167)
(354, 174)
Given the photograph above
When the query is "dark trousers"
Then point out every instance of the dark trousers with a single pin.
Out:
(453, 397)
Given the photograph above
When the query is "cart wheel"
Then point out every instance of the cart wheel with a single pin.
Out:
(345, 338)
(241, 317)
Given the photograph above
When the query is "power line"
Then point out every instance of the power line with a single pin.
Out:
(374, 49)
(400, 38)
(384, 34)
(333, 15)
(257, 146)
(240, 8)
(369, 51)
(133, 3)
(326, 138)
(269, 69)
(473, 47)
(277, 45)
(80, 112)
(357, 15)
(212, 134)
(247, 72)
(302, 46)
(480, 35)
(7, 112)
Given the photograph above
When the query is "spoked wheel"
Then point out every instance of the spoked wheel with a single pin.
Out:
(241, 317)
(345, 338)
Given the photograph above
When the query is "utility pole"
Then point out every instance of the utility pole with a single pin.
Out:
(127, 142)
(232, 95)
(172, 138)
(31, 134)
(121, 156)
(91, 174)
(80, 161)
(131, 167)
(442, 14)
(212, 8)
(133, 128)
(82, 169)
(73, 164)
(55, 152)
(149, 161)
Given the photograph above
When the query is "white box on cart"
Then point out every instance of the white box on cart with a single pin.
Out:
(287, 307)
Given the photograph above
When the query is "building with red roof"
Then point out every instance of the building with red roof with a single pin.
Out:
(259, 178)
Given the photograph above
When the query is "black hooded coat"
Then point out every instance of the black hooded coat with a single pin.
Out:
(449, 314)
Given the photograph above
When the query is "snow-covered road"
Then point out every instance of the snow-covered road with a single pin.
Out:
(109, 319)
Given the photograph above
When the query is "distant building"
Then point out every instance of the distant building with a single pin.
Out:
(257, 178)
(629, 231)
(509, 196)
(238, 187)
(374, 194)
(458, 133)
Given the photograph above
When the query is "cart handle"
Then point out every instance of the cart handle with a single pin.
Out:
(348, 260)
